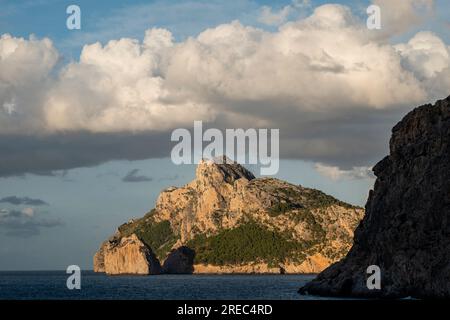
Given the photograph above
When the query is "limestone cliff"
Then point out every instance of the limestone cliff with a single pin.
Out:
(126, 255)
(234, 222)
(406, 229)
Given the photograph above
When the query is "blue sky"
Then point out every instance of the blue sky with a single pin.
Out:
(88, 202)
(103, 20)
(47, 18)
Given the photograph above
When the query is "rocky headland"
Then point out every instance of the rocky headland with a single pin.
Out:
(228, 221)
(406, 228)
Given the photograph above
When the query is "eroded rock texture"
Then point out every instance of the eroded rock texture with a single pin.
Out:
(238, 223)
(127, 255)
(406, 228)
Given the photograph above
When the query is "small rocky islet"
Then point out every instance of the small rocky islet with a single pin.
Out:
(228, 221)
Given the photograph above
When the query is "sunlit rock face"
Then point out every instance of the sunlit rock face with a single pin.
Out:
(228, 221)
(129, 255)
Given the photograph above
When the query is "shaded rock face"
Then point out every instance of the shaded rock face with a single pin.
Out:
(225, 212)
(127, 255)
(406, 229)
(180, 261)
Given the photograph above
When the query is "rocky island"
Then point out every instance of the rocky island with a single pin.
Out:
(406, 228)
(228, 221)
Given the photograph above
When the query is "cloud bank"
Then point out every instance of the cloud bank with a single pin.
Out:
(333, 88)
(25, 223)
(14, 200)
(335, 173)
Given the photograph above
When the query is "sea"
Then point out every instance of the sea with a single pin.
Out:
(51, 285)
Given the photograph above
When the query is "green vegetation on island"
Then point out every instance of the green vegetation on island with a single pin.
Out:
(249, 242)
(157, 235)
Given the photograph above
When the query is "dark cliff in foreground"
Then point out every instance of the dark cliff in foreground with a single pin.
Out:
(406, 228)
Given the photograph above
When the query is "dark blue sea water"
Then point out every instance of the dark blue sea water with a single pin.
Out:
(52, 285)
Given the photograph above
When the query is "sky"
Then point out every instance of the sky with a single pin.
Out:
(86, 115)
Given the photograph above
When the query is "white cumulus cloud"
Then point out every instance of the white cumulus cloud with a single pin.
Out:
(400, 16)
(119, 87)
(25, 76)
(128, 85)
(326, 81)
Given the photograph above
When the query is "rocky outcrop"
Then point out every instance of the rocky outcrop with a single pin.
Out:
(406, 228)
(127, 255)
(99, 258)
(179, 261)
(198, 207)
(234, 221)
